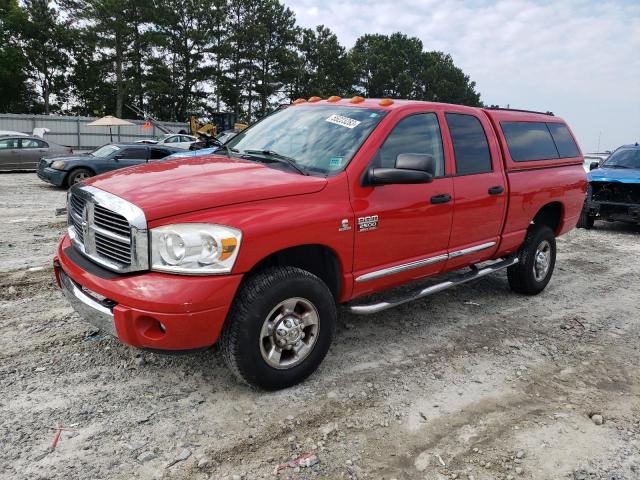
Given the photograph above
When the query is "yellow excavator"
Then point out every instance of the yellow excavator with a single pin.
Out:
(220, 123)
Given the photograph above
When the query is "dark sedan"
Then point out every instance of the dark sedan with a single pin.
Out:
(66, 171)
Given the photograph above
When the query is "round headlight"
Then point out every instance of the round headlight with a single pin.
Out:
(210, 249)
(172, 248)
(58, 165)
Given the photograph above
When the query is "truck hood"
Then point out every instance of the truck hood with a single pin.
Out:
(624, 175)
(166, 188)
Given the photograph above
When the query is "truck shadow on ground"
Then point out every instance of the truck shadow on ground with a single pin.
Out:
(358, 335)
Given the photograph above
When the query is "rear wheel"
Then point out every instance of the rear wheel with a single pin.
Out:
(279, 328)
(537, 259)
(78, 175)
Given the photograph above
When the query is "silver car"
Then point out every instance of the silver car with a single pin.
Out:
(23, 153)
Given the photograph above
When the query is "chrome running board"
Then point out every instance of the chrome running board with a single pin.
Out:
(475, 272)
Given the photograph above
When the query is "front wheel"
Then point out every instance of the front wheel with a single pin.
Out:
(279, 328)
(78, 175)
(537, 259)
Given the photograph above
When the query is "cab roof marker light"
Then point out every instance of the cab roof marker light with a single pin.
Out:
(299, 100)
(314, 99)
(334, 98)
(385, 102)
(357, 99)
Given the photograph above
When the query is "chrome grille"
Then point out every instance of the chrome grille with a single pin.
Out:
(114, 249)
(107, 229)
(76, 207)
(111, 221)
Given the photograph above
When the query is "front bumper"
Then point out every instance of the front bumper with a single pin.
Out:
(612, 209)
(52, 176)
(147, 310)
(92, 309)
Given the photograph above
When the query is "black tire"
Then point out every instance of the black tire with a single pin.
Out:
(241, 339)
(77, 175)
(585, 221)
(522, 276)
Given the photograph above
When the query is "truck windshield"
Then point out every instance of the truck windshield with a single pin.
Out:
(319, 139)
(623, 158)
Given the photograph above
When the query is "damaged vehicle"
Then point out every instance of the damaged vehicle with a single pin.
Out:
(614, 189)
(319, 204)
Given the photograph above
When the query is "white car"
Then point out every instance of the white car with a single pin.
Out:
(176, 140)
(37, 132)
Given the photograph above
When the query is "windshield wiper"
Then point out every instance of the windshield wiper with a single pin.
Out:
(278, 157)
(614, 166)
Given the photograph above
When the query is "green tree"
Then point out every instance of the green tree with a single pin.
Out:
(45, 40)
(182, 36)
(90, 82)
(233, 80)
(116, 31)
(16, 94)
(387, 66)
(324, 66)
(273, 65)
(395, 66)
(441, 81)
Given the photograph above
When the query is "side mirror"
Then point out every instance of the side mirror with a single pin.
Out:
(417, 161)
(117, 157)
(410, 168)
(594, 165)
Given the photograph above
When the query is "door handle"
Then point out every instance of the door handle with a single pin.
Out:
(497, 190)
(442, 198)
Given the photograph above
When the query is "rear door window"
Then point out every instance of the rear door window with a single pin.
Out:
(134, 153)
(32, 143)
(470, 145)
(158, 153)
(528, 141)
(565, 143)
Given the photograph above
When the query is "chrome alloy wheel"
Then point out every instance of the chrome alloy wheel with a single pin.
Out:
(542, 261)
(289, 333)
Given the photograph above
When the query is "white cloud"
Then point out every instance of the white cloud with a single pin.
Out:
(578, 58)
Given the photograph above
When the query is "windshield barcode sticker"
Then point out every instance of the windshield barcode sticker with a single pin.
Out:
(343, 121)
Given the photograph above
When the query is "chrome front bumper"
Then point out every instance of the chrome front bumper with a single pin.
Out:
(89, 308)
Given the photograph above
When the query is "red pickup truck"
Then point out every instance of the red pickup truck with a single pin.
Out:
(320, 203)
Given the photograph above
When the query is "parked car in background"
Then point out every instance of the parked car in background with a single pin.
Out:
(24, 152)
(11, 133)
(37, 132)
(614, 188)
(69, 170)
(175, 140)
(193, 153)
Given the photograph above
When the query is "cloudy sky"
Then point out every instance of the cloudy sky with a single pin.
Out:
(577, 58)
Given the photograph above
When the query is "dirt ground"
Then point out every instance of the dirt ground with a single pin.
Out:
(474, 383)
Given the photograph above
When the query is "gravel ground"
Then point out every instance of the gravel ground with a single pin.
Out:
(476, 382)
